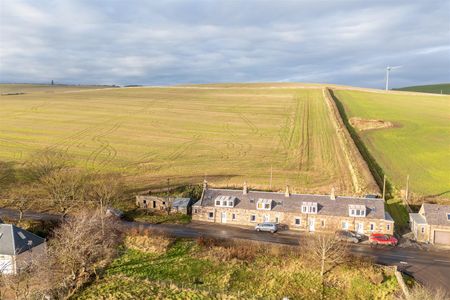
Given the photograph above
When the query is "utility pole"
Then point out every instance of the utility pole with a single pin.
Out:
(271, 176)
(384, 187)
(407, 189)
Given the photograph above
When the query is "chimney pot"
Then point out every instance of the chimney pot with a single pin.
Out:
(287, 193)
(332, 196)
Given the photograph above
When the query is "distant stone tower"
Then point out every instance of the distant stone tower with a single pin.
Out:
(53, 82)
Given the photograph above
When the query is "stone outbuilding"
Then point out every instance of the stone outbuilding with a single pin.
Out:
(322, 213)
(152, 202)
(182, 205)
(431, 224)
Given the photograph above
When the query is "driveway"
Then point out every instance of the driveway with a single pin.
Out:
(431, 268)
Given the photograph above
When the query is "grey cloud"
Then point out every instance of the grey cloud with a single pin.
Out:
(169, 42)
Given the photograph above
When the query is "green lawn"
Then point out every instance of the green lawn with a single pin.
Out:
(188, 270)
(418, 145)
(225, 134)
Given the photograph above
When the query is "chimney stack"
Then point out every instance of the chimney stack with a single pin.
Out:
(245, 189)
(205, 184)
(286, 193)
(332, 196)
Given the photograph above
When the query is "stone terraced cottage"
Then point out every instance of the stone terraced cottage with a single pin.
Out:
(321, 213)
(431, 224)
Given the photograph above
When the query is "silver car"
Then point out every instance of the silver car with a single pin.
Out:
(266, 226)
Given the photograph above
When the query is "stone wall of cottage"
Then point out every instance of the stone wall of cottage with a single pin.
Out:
(322, 223)
(143, 201)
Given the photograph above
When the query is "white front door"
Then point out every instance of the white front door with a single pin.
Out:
(266, 218)
(223, 217)
(311, 224)
(360, 228)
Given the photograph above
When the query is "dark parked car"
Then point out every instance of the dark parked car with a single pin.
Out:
(348, 236)
(382, 239)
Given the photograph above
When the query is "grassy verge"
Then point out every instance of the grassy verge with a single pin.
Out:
(156, 217)
(398, 212)
(192, 269)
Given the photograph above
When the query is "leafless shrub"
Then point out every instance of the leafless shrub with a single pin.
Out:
(77, 252)
(419, 292)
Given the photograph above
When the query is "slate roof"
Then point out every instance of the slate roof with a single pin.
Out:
(293, 203)
(181, 202)
(418, 218)
(436, 214)
(14, 240)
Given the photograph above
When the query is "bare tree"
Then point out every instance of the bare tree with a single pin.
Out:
(106, 190)
(65, 189)
(42, 163)
(76, 253)
(22, 197)
(328, 251)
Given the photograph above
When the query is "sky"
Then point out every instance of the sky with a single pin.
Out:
(173, 42)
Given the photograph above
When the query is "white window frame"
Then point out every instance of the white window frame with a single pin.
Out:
(357, 211)
(210, 215)
(448, 217)
(346, 225)
(309, 207)
(251, 216)
(299, 221)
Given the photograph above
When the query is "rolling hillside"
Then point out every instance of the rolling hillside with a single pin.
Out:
(443, 88)
(225, 134)
(415, 139)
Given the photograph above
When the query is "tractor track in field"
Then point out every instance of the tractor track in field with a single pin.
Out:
(104, 147)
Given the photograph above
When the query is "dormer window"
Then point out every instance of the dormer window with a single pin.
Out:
(309, 207)
(264, 204)
(225, 201)
(448, 217)
(356, 210)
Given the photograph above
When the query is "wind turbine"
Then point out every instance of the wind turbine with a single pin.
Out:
(388, 70)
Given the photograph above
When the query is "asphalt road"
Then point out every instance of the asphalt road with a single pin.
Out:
(431, 268)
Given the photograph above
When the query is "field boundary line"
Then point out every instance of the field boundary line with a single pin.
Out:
(362, 178)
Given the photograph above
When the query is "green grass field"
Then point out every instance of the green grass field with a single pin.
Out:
(189, 271)
(443, 88)
(419, 142)
(183, 133)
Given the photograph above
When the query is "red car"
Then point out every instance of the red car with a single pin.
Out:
(382, 239)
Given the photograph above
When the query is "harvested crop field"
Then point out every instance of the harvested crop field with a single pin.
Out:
(417, 144)
(225, 134)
